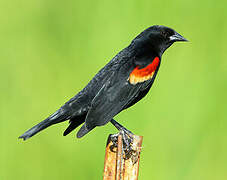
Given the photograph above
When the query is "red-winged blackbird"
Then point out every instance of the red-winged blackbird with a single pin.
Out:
(125, 80)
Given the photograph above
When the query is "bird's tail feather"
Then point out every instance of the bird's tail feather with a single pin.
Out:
(74, 123)
(57, 117)
(84, 130)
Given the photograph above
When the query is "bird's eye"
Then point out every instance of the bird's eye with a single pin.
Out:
(167, 33)
(164, 34)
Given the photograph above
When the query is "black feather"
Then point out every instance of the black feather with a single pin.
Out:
(74, 123)
(57, 117)
(83, 131)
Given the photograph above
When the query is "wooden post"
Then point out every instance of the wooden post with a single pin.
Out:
(119, 167)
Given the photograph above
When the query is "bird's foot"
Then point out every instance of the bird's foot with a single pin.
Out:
(127, 139)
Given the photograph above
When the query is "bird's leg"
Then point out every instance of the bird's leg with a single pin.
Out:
(120, 127)
(127, 137)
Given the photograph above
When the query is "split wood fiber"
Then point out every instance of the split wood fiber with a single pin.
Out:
(119, 167)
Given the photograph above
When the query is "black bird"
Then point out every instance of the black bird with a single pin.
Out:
(124, 81)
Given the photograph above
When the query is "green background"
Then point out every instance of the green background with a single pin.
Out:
(49, 50)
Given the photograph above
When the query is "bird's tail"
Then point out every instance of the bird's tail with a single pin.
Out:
(57, 117)
(84, 130)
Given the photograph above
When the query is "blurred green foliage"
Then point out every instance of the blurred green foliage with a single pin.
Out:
(49, 50)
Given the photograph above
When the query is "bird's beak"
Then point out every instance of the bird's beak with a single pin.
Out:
(177, 37)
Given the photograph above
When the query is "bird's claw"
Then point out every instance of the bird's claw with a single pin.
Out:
(127, 140)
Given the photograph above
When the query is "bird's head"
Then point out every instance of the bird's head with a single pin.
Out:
(157, 39)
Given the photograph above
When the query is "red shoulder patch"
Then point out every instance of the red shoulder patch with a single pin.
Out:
(144, 74)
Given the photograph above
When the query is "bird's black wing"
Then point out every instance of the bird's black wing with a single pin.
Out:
(115, 94)
(143, 91)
